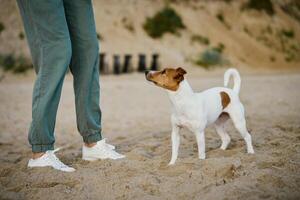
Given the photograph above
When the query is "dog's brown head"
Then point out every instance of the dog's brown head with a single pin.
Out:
(167, 78)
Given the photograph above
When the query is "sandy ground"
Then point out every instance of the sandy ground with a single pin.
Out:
(136, 119)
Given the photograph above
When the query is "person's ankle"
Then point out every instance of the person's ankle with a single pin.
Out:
(90, 145)
(36, 155)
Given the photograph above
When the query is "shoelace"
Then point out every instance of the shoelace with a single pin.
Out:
(55, 160)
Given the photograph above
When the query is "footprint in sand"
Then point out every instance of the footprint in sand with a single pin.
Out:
(5, 172)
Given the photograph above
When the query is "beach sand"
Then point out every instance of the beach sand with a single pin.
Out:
(136, 119)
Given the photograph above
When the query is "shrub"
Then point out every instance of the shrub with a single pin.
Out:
(165, 21)
(99, 37)
(292, 8)
(260, 5)
(16, 65)
(221, 18)
(288, 33)
(209, 58)
(219, 48)
(246, 30)
(7, 62)
(128, 24)
(129, 27)
(201, 39)
(1, 27)
(21, 35)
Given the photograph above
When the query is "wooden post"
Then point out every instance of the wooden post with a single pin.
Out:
(142, 63)
(154, 63)
(102, 62)
(117, 64)
(127, 63)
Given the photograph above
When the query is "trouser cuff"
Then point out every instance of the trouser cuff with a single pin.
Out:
(95, 137)
(42, 147)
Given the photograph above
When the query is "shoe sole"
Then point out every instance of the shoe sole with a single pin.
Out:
(94, 159)
(91, 159)
(70, 170)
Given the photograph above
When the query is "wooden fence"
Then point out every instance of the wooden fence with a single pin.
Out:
(127, 66)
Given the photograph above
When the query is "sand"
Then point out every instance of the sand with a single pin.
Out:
(136, 114)
(136, 119)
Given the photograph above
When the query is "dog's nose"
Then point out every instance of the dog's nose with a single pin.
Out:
(146, 72)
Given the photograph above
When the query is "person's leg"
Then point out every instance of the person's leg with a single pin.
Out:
(84, 67)
(48, 38)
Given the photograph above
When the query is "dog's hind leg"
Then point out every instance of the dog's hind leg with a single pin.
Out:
(175, 143)
(220, 128)
(237, 115)
(201, 144)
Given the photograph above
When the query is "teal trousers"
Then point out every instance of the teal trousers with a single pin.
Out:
(61, 34)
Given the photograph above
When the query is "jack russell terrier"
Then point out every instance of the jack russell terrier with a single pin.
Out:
(195, 111)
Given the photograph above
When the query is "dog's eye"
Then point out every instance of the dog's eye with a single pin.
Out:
(164, 71)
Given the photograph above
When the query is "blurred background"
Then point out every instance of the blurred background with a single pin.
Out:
(261, 38)
(252, 34)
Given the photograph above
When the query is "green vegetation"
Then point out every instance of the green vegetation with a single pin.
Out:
(200, 39)
(246, 30)
(99, 37)
(211, 57)
(292, 53)
(278, 39)
(128, 24)
(129, 27)
(260, 5)
(21, 36)
(288, 45)
(292, 8)
(219, 48)
(16, 65)
(221, 18)
(165, 21)
(288, 33)
(1, 27)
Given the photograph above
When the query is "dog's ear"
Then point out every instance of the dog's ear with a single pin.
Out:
(180, 71)
(179, 74)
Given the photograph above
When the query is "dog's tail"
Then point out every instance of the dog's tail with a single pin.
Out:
(236, 79)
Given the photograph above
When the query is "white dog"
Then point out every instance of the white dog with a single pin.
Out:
(195, 111)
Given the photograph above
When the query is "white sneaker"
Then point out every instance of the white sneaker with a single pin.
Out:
(100, 151)
(108, 145)
(49, 159)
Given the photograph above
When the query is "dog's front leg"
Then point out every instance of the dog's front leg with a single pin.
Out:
(175, 143)
(201, 143)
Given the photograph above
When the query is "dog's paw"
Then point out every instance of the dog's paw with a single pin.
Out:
(225, 143)
(202, 157)
(251, 151)
(223, 147)
(171, 163)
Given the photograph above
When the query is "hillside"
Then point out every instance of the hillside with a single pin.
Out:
(250, 38)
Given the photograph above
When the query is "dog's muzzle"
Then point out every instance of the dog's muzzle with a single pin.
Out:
(147, 75)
